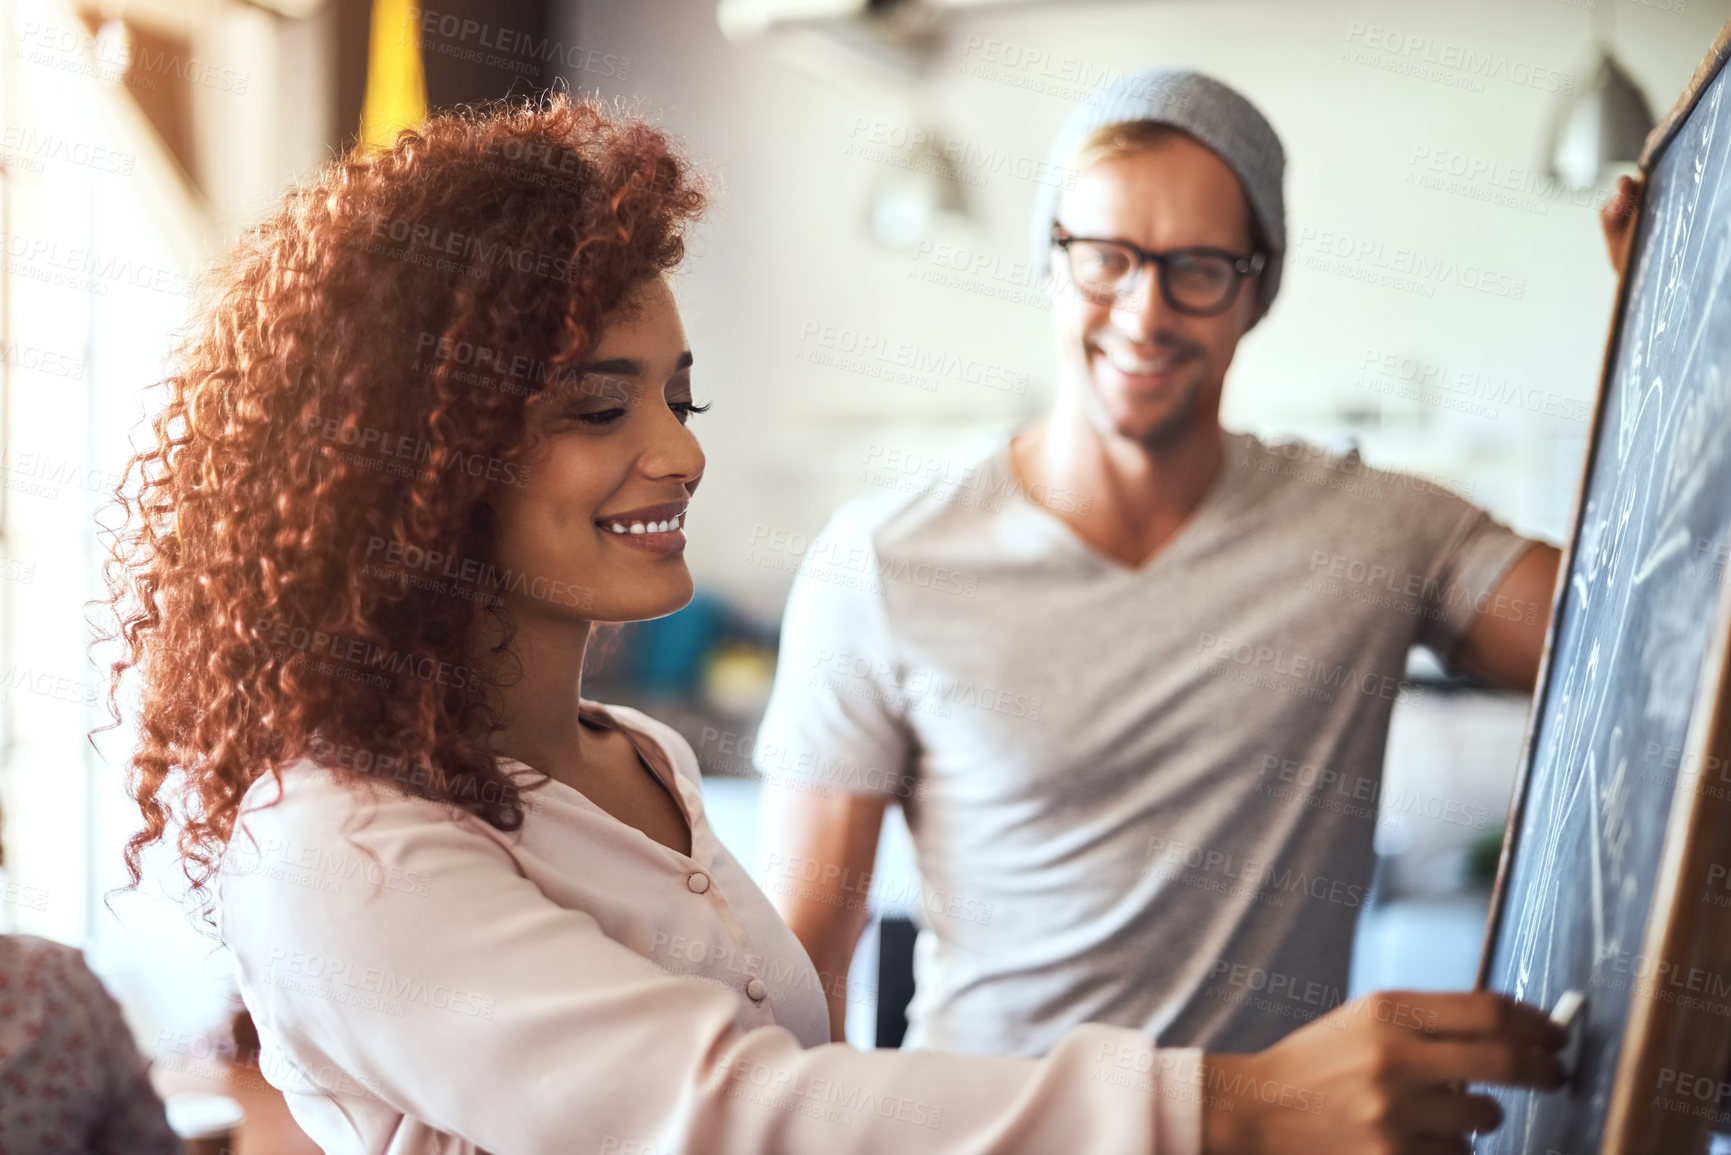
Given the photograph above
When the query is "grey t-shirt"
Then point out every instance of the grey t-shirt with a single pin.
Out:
(1138, 796)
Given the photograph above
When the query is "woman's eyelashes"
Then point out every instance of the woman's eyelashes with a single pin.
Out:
(684, 410)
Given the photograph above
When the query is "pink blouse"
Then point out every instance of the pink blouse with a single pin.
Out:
(424, 983)
(71, 1078)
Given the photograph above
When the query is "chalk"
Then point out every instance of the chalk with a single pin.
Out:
(1569, 1014)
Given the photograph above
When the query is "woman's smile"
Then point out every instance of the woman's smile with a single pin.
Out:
(653, 528)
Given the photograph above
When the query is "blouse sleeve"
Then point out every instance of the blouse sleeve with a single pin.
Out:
(477, 1005)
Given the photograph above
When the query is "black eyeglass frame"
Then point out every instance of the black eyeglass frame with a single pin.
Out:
(1241, 267)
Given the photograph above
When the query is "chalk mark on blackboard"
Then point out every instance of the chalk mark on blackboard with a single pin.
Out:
(1598, 903)
(1676, 542)
(1694, 453)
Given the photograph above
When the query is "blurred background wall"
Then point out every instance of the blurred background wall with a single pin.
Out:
(861, 308)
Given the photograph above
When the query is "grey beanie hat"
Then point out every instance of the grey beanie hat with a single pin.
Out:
(1205, 109)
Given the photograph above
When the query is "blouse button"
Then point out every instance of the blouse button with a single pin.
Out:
(697, 881)
(756, 991)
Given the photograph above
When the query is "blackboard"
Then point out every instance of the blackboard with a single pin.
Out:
(1597, 888)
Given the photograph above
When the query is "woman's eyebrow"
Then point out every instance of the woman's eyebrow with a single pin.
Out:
(628, 366)
(617, 367)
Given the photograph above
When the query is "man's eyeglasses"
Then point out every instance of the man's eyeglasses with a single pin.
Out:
(1198, 281)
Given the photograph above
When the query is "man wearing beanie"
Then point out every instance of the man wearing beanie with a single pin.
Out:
(1140, 745)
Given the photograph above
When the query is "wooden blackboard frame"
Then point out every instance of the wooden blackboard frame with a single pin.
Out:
(1685, 934)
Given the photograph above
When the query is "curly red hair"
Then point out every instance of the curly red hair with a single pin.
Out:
(357, 381)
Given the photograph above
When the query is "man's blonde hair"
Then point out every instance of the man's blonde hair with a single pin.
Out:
(1111, 141)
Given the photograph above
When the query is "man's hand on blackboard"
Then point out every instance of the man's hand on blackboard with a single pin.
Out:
(1381, 1075)
(1618, 219)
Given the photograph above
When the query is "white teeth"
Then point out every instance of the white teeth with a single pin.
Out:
(667, 526)
(1126, 363)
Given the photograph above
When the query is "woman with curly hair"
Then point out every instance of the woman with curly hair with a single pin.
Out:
(430, 429)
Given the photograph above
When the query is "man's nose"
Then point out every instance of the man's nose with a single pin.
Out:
(1144, 311)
